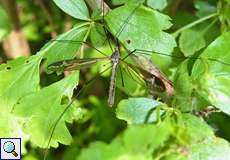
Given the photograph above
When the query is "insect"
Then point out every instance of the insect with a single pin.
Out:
(152, 75)
(144, 67)
(76, 64)
(84, 63)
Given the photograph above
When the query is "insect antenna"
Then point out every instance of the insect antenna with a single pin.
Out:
(126, 21)
(122, 78)
(104, 28)
(78, 42)
(146, 52)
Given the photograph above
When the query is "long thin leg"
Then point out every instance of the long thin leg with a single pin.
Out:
(126, 22)
(79, 42)
(117, 35)
(146, 52)
(103, 21)
(128, 71)
(66, 109)
(122, 78)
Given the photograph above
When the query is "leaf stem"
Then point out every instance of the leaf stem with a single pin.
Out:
(175, 34)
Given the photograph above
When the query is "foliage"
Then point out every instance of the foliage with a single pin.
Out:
(185, 138)
(5, 25)
(48, 108)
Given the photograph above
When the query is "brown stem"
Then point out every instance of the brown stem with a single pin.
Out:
(46, 11)
(97, 4)
(11, 8)
(68, 23)
(15, 45)
(175, 6)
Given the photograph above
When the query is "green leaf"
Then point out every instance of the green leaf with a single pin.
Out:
(129, 81)
(199, 141)
(139, 27)
(100, 112)
(137, 143)
(137, 110)
(19, 78)
(75, 8)
(5, 24)
(157, 4)
(64, 47)
(212, 77)
(146, 142)
(204, 8)
(191, 41)
(98, 151)
(119, 2)
(30, 157)
(42, 110)
(184, 87)
(196, 129)
(215, 149)
(97, 35)
(176, 138)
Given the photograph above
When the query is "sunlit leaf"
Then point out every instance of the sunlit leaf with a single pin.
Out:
(42, 110)
(138, 110)
(183, 86)
(191, 41)
(19, 78)
(157, 4)
(65, 46)
(204, 8)
(98, 35)
(75, 8)
(196, 129)
(215, 149)
(137, 143)
(147, 141)
(30, 157)
(119, 2)
(211, 77)
(139, 27)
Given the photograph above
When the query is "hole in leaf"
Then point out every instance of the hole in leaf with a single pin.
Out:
(128, 41)
(27, 61)
(64, 100)
(8, 68)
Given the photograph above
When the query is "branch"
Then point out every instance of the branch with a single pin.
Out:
(98, 4)
(46, 11)
(15, 45)
(11, 9)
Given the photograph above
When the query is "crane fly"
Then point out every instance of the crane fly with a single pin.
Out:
(115, 58)
(151, 75)
(159, 79)
(76, 64)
